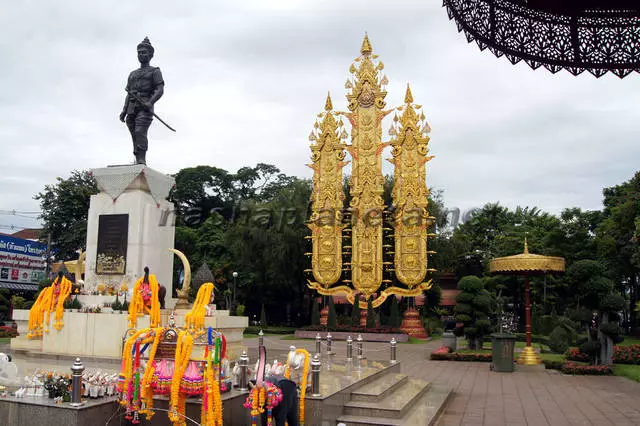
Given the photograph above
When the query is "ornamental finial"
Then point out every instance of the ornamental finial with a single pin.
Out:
(366, 46)
(526, 246)
(408, 97)
(328, 106)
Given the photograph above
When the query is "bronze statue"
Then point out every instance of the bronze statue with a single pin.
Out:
(144, 87)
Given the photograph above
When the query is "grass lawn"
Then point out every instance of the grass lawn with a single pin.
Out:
(630, 371)
(4, 340)
(551, 357)
(628, 341)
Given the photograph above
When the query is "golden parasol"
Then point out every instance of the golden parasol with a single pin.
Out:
(527, 264)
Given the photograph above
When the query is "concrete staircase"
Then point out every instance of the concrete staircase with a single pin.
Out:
(394, 399)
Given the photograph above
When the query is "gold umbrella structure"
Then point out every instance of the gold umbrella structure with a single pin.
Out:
(527, 264)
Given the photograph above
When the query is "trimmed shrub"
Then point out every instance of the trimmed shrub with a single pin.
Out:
(559, 340)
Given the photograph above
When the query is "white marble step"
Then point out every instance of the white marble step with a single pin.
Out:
(379, 388)
(425, 411)
(393, 406)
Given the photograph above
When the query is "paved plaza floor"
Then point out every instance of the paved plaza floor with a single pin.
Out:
(480, 397)
(483, 397)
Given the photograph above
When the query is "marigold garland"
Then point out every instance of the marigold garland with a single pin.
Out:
(264, 396)
(177, 399)
(147, 390)
(137, 306)
(303, 381)
(195, 318)
(51, 299)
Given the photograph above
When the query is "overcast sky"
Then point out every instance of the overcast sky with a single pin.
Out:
(245, 80)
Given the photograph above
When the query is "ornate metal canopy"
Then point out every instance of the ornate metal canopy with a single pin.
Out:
(593, 35)
(527, 264)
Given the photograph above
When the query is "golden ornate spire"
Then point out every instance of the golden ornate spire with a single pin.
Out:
(410, 194)
(366, 46)
(327, 154)
(408, 97)
(328, 106)
(526, 246)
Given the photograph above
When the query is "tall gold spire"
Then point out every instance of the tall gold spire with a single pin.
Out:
(408, 97)
(526, 246)
(366, 46)
(328, 106)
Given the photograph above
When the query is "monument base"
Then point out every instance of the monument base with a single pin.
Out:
(130, 226)
(100, 335)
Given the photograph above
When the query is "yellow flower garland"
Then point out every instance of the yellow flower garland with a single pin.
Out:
(127, 362)
(137, 306)
(65, 291)
(303, 380)
(195, 318)
(40, 313)
(147, 390)
(177, 400)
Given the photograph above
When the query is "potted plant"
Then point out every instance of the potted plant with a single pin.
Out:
(75, 305)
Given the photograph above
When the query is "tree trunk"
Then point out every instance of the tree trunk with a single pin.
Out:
(605, 357)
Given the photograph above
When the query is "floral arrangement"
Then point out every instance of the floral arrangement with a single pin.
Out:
(58, 386)
(266, 395)
(573, 368)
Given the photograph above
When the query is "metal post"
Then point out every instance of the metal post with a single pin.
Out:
(393, 350)
(76, 383)
(244, 365)
(329, 341)
(315, 375)
(318, 344)
(261, 338)
(359, 341)
(349, 348)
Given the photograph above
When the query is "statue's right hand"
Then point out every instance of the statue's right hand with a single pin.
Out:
(123, 115)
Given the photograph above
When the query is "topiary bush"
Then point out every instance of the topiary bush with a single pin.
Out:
(473, 308)
(559, 340)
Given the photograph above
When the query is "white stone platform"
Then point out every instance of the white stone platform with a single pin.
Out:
(100, 335)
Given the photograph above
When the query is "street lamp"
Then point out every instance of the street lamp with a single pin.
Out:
(233, 297)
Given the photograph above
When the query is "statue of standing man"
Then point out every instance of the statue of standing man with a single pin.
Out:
(144, 87)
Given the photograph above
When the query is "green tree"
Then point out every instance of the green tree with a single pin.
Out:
(618, 239)
(263, 317)
(371, 320)
(355, 314)
(315, 312)
(394, 313)
(65, 208)
(473, 308)
(595, 293)
(332, 318)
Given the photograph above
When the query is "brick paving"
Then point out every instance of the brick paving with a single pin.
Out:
(485, 398)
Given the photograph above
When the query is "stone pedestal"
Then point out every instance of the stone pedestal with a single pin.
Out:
(142, 236)
(412, 325)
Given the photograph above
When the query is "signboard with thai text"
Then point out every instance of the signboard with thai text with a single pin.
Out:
(21, 261)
